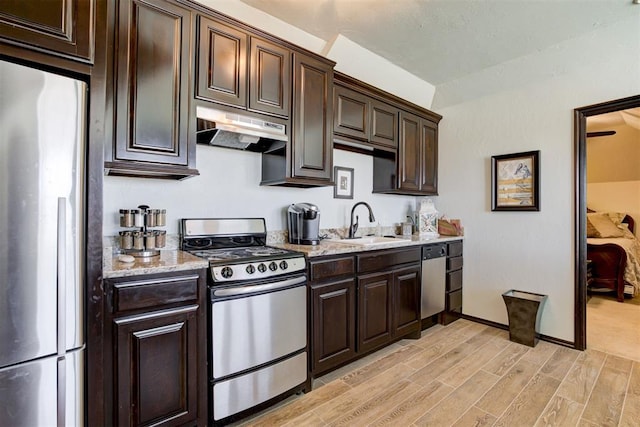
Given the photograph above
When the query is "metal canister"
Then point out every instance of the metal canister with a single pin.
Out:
(138, 218)
(126, 240)
(150, 218)
(161, 238)
(161, 217)
(149, 240)
(138, 240)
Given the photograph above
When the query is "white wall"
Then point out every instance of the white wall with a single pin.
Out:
(229, 186)
(531, 251)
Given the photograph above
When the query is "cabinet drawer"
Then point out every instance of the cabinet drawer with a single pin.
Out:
(387, 259)
(455, 249)
(133, 295)
(454, 301)
(454, 280)
(319, 270)
(454, 263)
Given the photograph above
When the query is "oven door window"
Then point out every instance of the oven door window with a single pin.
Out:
(256, 329)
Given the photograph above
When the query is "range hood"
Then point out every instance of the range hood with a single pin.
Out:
(232, 130)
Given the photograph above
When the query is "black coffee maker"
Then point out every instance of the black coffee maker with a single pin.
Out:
(303, 220)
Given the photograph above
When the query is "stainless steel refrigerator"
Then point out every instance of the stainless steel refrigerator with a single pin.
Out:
(42, 217)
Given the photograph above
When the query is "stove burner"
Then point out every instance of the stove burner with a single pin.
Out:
(265, 251)
(238, 253)
(216, 255)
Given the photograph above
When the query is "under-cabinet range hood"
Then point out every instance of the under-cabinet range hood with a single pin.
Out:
(232, 130)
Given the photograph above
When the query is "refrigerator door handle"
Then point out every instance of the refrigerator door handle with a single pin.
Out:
(62, 312)
(62, 391)
(61, 275)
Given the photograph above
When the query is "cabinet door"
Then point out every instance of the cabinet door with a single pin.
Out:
(156, 368)
(384, 124)
(333, 337)
(312, 138)
(351, 113)
(152, 99)
(374, 311)
(406, 301)
(63, 27)
(222, 63)
(409, 162)
(269, 78)
(429, 157)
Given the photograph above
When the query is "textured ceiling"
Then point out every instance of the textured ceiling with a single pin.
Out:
(443, 40)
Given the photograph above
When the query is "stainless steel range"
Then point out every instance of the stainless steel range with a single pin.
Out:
(257, 316)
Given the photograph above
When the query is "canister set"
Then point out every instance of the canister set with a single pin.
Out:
(143, 242)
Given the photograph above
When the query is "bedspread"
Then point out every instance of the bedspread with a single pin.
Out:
(631, 245)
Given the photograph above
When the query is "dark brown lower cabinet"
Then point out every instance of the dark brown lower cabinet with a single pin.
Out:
(155, 350)
(156, 376)
(356, 310)
(374, 310)
(406, 301)
(388, 306)
(453, 300)
(334, 320)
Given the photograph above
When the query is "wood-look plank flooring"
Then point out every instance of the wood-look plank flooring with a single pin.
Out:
(468, 374)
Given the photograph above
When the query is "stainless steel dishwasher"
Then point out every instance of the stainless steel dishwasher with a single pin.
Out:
(433, 279)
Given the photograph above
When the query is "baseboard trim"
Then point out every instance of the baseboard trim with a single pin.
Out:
(542, 337)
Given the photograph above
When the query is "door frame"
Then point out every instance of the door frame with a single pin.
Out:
(580, 204)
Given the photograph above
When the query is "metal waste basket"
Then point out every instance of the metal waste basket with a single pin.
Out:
(524, 310)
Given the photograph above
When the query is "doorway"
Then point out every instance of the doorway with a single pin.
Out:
(580, 168)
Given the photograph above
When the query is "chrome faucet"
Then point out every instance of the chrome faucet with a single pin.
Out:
(353, 227)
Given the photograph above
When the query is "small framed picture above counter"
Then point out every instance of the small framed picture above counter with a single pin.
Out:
(343, 187)
(515, 182)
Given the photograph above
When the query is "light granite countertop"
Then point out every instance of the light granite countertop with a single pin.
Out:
(167, 261)
(176, 260)
(332, 248)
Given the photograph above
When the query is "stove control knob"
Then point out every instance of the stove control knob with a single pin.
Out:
(284, 265)
(251, 269)
(273, 266)
(226, 272)
(262, 268)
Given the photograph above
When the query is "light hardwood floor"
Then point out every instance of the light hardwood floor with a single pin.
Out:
(614, 327)
(468, 374)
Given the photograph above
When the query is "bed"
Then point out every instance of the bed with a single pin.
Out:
(614, 254)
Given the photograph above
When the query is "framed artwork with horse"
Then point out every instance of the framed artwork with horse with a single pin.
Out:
(515, 182)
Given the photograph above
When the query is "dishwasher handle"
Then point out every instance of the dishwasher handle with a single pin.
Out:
(437, 250)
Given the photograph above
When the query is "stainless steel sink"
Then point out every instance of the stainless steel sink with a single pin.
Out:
(370, 241)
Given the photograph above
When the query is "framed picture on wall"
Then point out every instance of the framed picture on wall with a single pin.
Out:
(515, 182)
(343, 186)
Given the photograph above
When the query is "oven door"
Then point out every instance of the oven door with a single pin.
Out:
(252, 325)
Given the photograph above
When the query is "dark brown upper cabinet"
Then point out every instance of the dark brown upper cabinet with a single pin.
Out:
(312, 149)
(384, 124)
(361, 118)
(417, 155)
(240, 69)
(306, 160)
(61, 27)
(413, 170)
(269, 78)
(351, 114)
(401, 136)
(152, 68)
